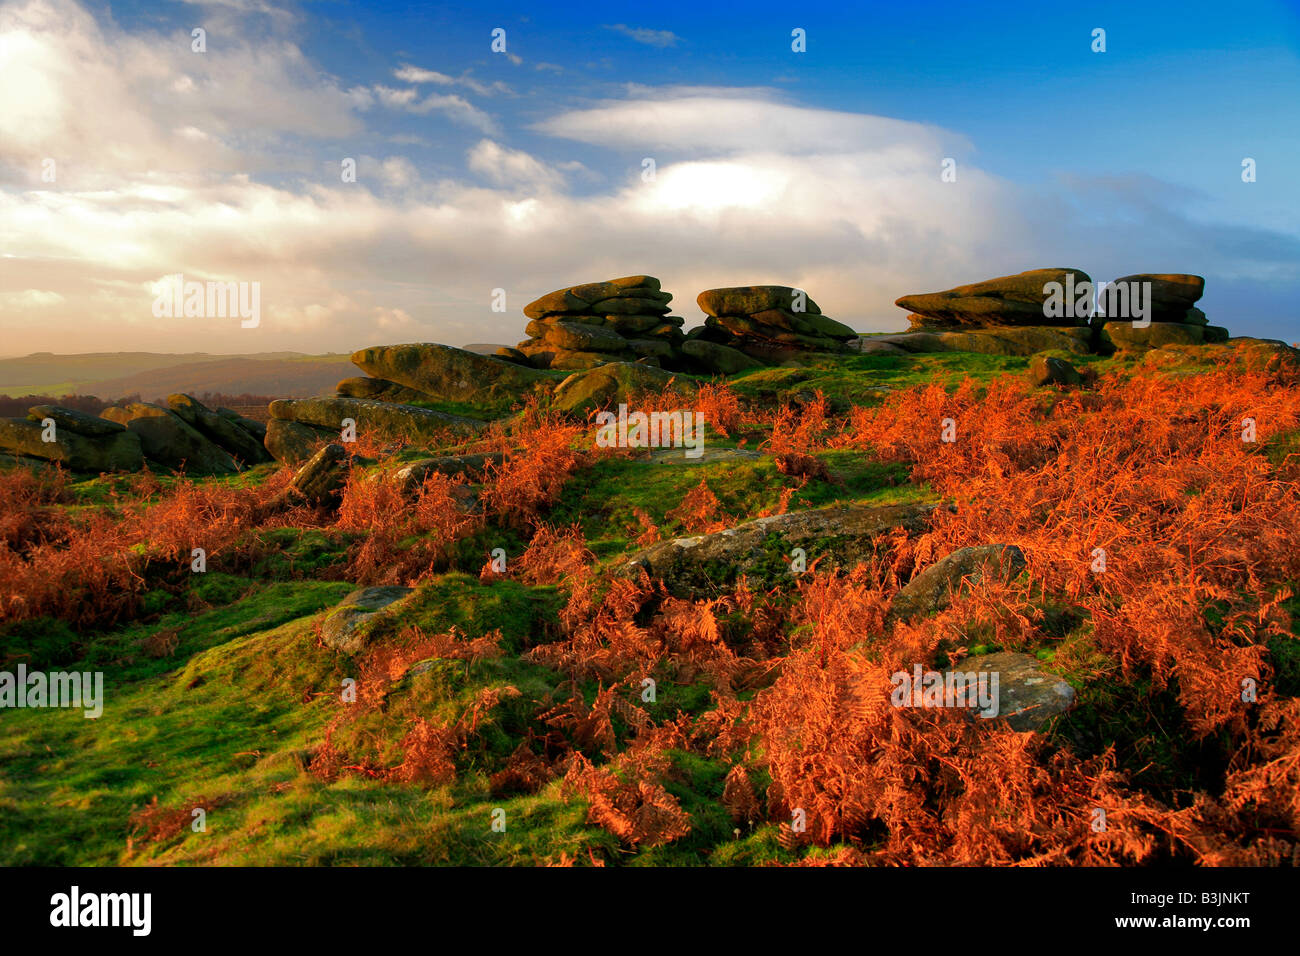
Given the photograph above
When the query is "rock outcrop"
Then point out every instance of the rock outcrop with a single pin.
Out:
(439, 373)
(583, 326)
(1016, 300)
(237, 436)
(1153, 310)
(993, 340)
(765, 320)
(169, 440)
(839, 534)
(608, 385)
(81, 442)
(323, 418)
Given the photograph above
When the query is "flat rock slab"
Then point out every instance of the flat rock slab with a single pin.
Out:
(387, 420)
(991, 340)
(346, 628)
(1028, 696)
(709, 456)
(411, 476)
(751, 299)
(74, 421)
(1125, 336)
(1006, 300)
(447, 373)
(839, 534)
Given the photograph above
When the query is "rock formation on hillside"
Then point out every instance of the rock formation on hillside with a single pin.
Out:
(1018, 300)
(185, 436)
(619, 320)
(1018, 315)
(1172, 319)
(768, 322)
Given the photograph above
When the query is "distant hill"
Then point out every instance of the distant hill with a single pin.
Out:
(154, 375)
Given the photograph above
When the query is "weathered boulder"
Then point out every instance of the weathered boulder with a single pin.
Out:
(169, 440)
(216, 428)
(1028, 696)
(770, 315)
(840, 535)
(80, 422)
(511, 354)
(581, 298)
(252, 426)
(472, 467)
(293, 443)
(25, 461)
(991, 340)
(576, 337)
(1172, 296)
(384, 420)
(1049, 370)
(117, 451)
(608, 385)
(712, 358)
(347, 627)
(753, 299)
(1019, 299)
(933, 589)
(380, 390)
(1127, 337)
(447, 373)
(320, 481)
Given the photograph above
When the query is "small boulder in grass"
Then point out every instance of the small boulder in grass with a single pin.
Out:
(1050, 370)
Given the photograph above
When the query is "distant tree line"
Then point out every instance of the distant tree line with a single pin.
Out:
(16, 407)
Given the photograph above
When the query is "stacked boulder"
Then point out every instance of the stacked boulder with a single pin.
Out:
(769, 322)
(1171, 312)
(185, 435)
(1009, 315)
(583, 326)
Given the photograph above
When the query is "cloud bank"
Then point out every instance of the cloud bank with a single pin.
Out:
(226, 166)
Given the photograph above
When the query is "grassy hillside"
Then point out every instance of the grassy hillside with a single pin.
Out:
(523, 691)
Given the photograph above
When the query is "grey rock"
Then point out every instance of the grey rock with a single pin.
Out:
(346, 628)
(839, 535)
(933, 589)
(1028, 696)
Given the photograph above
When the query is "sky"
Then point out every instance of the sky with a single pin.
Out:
(689, 141)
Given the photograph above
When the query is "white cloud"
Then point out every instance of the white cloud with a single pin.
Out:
(750, 188)
(30, 299)
(511, 167)
(414, 74)
(659, 38)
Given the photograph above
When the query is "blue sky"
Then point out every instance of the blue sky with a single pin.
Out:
(522, 171)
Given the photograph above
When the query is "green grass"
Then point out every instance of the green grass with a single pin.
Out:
(229, 713)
